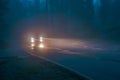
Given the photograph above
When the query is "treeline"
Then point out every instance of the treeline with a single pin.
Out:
(79, 17)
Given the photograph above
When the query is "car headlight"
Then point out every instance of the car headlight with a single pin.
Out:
(41, 45)
(32, 40)
(41, 39)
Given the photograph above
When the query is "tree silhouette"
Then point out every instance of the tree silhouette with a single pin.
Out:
(3, 11)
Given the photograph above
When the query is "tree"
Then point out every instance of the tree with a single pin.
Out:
(3, 10)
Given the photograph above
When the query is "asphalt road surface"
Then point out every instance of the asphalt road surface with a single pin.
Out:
(22, 66)
(16, 64)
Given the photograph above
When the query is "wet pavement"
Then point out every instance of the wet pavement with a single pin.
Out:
(33, 68)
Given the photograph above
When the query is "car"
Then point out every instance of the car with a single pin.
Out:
(37, 43)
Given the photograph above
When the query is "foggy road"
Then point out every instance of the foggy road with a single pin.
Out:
(96, 65)
(19, 65)
(82, 36)
(97, 62)
(97, 69)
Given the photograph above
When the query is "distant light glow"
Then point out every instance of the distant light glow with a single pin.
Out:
(32, 45)
(41, 45)
(32, 40)
(41, 39)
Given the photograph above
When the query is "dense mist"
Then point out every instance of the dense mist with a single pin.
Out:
(86, 19)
